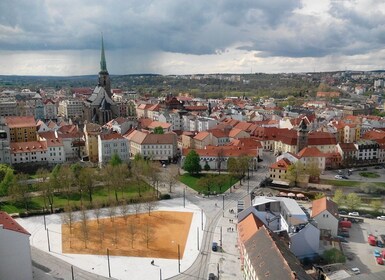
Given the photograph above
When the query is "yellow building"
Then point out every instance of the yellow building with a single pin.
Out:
(91, 132)
(21, 129)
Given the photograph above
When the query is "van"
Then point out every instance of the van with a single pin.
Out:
(214, 247)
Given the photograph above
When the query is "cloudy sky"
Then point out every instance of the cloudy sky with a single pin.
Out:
(63, 37)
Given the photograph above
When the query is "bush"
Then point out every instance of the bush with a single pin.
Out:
(334, 256)
(165, 196)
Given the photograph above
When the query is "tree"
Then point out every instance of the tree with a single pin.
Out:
(151, 205)
(220, 159)
(112, 211)
(235, 169)
(87, 181)
(64, 179)
(124, 210)
(69, 217)
(333, 256)
(132, 231)
(19, 190)
(353, 201)
(376, 205)
(207, 166)
(158, 130)
(46, 186)
(339, 197)
(192, 163)
(295, 171)
(137, 208)
(319, 195)
(84, 226)
(207, 182)
(97, 211)
(115, 160)
(171, 179)
(313, 170)
(7, 175)
(148, 234)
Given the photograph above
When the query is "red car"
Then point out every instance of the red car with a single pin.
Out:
(380, 260)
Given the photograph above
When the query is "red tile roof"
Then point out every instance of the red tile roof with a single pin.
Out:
(111, 136)
(248, 227)
(310, 152)
(201, 135)
(25, 147)
(322, 204)
(9, 223)
(18, 122)
(282, 164)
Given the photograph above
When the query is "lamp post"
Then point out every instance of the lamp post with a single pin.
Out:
(160, 273)
(108, 261)
(49, 245)
(178, 258)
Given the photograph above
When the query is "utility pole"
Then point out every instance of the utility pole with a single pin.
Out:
(178, 258)
(72, 272)
(220, 240)
(184, 198)
(223, 202)
(198, 238)
(108, 260)
(45, 224)
(49, 245)
(202, 219)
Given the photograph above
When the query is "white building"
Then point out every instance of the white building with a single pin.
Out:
(171, 118)
(153, 146)
(325, 212)
(15, 251)
(193, 123)
(27, 152)
(110, 144)
(70, 108)
(284, 214)
(50, 110)
(8, 106)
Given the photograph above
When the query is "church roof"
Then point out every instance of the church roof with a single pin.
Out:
(98, 96)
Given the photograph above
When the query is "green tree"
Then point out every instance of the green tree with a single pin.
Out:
(7, 181)
(319, 195)
(158, 130)
(192, 163)
(87, 182)
(353, 201)
(207, 166)
(339, 197)
(19, 190)
(376, 205)
(207, 182)
(115, 160)
(333, 256)
(235, 169)
(46, 186)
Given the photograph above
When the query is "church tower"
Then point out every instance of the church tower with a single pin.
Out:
(104, 77)
(302, 135)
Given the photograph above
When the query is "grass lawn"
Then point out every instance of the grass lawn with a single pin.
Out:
(225, 181)
(100, 195)
(341, 183)
(369, 174)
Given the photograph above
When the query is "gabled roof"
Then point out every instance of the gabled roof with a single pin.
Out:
(218, 133)
(322, 204)
(310, 152)
(202, 135)
(18, 121)
(248, 227)
(110, 136)
(234, 132)
(271, 258)
(26, 147)
(9, 223)
(250, 143)
(155, 124)
(282, 164)
(347, 147)
(318, 138)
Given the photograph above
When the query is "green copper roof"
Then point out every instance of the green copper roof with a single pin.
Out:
(103, 64)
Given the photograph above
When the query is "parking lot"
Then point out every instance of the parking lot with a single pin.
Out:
(358, 251)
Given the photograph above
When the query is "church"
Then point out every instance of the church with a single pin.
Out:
(99, 108)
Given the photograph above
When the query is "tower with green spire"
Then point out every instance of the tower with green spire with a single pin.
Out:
(104, 76)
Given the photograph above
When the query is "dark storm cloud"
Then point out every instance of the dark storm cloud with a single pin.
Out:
(271, 27)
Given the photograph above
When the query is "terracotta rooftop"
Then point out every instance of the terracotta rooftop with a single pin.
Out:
(111, 136)
(282, 164)
(25, 147)
(202, 135)
(322, 204)
(9, 223)
(17, 121)
(248, 227)
(310, 152)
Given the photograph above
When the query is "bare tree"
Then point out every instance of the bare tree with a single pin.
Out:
(69, 217)
(101, 232)
(124, 210)
(132, 232)
(84, 226)
(171, 179)
(151, 205)
(112, 211)
(220, 159)
(148, 234)
(137, 207)
(97, 211)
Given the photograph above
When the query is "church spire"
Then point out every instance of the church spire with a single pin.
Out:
(103, 64)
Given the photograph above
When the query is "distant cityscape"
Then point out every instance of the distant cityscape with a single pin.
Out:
(307, 151)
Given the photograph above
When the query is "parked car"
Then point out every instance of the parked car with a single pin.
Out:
(342, 239)
(381, 218)
(377, 253)
(344, 177)
(380, 260)
(214, 246)
(344, 234)
(212, 276)
(368, 216)
(342, 212)
(338, 177)
(356, 270)
(356, 214)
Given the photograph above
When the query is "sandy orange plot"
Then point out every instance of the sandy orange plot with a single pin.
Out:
(156, 235)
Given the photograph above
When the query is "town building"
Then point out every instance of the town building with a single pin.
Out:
(21, 129)
(112, 144)
(325, 212)
(71, 109)
(15, 250)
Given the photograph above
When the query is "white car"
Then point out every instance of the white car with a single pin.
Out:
(338, 177)
(381, 218)
(354, 214)
(356, 270)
